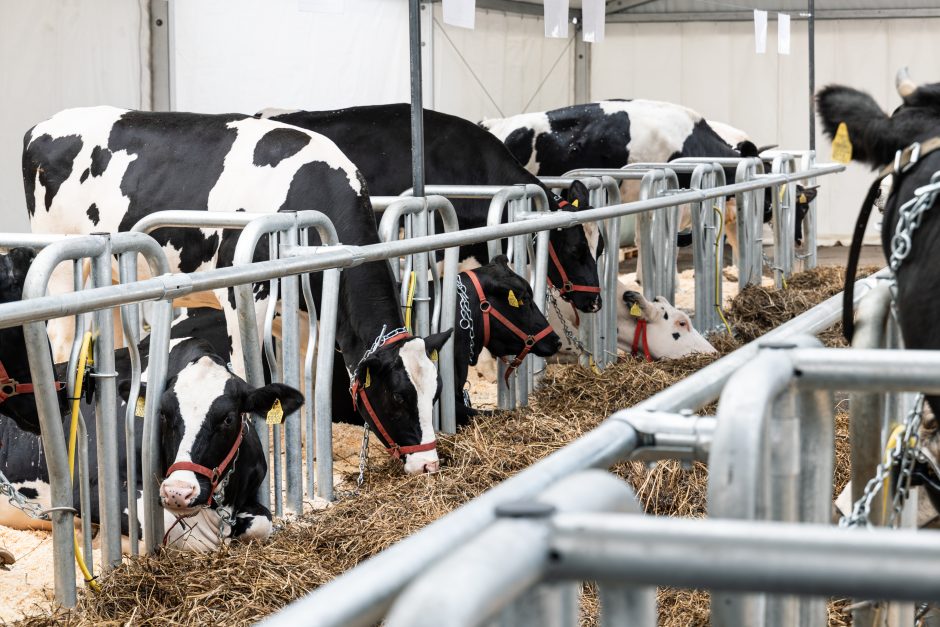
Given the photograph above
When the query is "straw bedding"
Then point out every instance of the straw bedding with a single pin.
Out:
(240, 584)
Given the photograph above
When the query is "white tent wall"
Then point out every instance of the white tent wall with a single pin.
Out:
(245, 55)
(57, 54)
(712, 68)
(517, 68)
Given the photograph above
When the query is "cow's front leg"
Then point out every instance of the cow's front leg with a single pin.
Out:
(252, 522)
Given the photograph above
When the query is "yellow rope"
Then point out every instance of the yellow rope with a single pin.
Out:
(409, 302)
(719, 254)
(84, 358)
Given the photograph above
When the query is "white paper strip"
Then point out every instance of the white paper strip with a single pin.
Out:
(783, 33)
(460, 13)
(321, 6)
(760, 31)
(594, 13)
(556, 18)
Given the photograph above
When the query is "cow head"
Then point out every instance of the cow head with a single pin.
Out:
(804, 196)
(203, 410)
(876, 137)
(398, 384)
(574, 256)
(669, 332)
(510, 295)
(15, 402)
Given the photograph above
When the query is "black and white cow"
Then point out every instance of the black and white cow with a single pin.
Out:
(103, 169)
(506, 293)
(615, 133)
(203, 412)
(456, 152)
(875, 138)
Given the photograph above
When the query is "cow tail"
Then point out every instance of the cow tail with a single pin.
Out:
(848, 294)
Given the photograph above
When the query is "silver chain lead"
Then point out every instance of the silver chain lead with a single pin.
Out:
(902, 457)
(20, 502)
(569, 334)
(910, 215)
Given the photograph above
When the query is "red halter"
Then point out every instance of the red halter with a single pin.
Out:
(392, 448)
(487, 308)
(566, 285)
(214, 475)
(11, 387)
(638, 335)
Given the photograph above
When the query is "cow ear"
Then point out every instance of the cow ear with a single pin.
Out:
(501, 259)
(124, 389)
(261, 400)
(366, 370)
(747, 149)
(579, 196)
(435, 342)
(808, 192)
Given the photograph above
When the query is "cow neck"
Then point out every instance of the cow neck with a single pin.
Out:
(488, 310)
(368, 303)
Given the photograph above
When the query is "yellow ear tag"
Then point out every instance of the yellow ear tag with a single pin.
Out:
(803, 199)
(841, 145)
(635, 311)
(139, 407)
(276, 413)
(513, 301)
(368, 378)
(575, 203)
(783, 192)
(434, 355)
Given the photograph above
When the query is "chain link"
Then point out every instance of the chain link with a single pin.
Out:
(569, 333)
(910, 215)
(902, 458)
(376, 345)
(20, 502)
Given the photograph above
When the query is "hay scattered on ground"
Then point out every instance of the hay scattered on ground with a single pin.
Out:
(240, 584)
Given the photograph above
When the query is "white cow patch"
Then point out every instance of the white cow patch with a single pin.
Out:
(198, 385)
(423, 376)
(502, 128)
(657, 129)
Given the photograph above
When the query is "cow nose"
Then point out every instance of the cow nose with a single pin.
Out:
(432, 467)
(177, 494)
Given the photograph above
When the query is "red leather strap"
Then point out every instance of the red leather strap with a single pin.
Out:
(391, 447)
(214, 475)
(488, 310)
(11, 387)
(639, 335)
(567, 285)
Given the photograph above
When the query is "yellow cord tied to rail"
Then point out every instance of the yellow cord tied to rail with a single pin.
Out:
(896, 434)
(85, 359)
(409, 302)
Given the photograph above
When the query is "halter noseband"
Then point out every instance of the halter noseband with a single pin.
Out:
(487, 308)
(357, 391)
(214, 475)
(566, 285)
(639, 335)
(11, 387)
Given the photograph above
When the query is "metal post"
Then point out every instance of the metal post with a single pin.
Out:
(582, 67)
(812, 73)
(150, 465)
(290, 359)
(807, 257)
(706, 257)
(107, 436)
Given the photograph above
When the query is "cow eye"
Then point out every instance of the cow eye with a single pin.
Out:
(682, 323)
(228, 420)
(398, 398)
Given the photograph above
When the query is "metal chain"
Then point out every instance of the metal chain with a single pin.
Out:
(466, 318)
(902, 457)
(910, 215)
(376, 345)
(363, 458)
(20, 502)
(569, 334)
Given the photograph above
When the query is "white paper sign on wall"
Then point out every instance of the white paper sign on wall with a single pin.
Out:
(460, 13)
(783, 33)
(760, 31)
(556, 18)
(594, 13)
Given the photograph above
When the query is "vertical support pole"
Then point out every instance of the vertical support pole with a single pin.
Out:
(130, 321)
(161, 74)
(105, 408)
(807, 260)
(329, 305)
(150, 470)
(582, 67)
(520, 379)
(812, 73)
(290, 358)
(627, 605)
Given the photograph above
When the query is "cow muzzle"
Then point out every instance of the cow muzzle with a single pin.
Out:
(423, 462)
(178, 495)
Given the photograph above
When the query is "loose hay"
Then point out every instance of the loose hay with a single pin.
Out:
(240, 584)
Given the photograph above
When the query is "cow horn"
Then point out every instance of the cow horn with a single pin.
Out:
(906, 86)
(767, 147)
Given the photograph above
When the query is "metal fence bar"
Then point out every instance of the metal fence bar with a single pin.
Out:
(783, 203)
(707, 243)
(290, 357)
(388, 231)
(745, 556)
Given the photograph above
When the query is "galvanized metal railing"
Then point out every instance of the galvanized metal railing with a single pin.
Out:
(648, 430)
